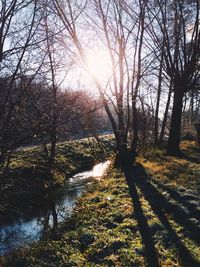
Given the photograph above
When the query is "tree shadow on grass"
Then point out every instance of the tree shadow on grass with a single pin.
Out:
(194, 159)
(137, 177)
(147, 238)
(184, 198)
(191, 154)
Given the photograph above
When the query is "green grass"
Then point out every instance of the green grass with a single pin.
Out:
(104, 229)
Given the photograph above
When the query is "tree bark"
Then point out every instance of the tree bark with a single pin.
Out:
(123, 158)
(173, 147)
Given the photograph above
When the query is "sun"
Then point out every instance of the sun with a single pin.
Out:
(99, 64)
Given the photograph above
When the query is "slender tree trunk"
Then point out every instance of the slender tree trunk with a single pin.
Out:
(54, 88)
(191, 108)
(185, 118)
(123, 155)
(198, 133)
(158, 102)
(134, 142)
(173, 147)
(54, 215)
(52, 149)
(165, 116)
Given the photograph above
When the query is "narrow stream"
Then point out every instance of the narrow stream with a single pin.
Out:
(25, 230)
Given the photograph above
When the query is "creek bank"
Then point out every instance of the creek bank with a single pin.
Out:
(25, 186)
(26, 230)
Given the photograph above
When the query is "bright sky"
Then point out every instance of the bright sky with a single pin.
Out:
(99, 65)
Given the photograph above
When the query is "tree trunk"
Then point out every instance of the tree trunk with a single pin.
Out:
(158, 102)
(54, 215)
(52, 156)
(123, 158)
(162, 132)
(134, 141)
(192, 109)
(173, 147)
(197, 125)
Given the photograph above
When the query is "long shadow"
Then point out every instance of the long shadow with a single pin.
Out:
(178, 213)
(189, 158)
(147, 239)
(137, 176)
(181, 198)
(181, 215)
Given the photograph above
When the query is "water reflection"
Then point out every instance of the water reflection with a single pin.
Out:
(56, 208)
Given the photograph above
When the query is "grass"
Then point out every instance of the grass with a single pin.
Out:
(155, 224)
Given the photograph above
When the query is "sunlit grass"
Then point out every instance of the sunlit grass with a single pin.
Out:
(177, 171)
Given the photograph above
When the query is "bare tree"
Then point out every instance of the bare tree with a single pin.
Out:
(176, 35)
(16, 41)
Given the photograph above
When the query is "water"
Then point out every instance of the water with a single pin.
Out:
(24, 230)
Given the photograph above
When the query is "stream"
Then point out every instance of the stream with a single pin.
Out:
(24, 231)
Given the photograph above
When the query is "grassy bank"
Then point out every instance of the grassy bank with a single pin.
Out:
(109, 228)
(25, 183)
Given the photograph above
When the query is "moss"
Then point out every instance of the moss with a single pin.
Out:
(76, 260)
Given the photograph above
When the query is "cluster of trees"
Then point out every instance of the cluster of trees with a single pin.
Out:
(35, 106)
(32, 117)
(153, 47)
(152, 44)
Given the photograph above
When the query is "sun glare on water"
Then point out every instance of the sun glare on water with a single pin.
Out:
(99, 65)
